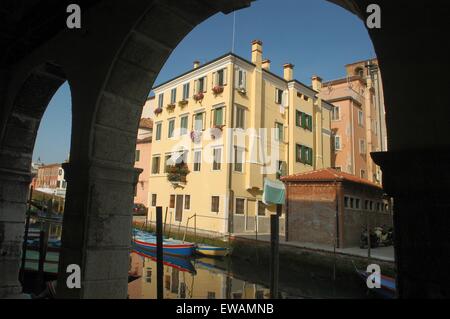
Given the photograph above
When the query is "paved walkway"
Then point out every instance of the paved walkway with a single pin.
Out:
(380, 253)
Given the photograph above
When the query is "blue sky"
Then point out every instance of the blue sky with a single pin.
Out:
(316, 36)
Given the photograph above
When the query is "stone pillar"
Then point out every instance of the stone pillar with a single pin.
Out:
(97, 229)
(14, 190)
(419, 181)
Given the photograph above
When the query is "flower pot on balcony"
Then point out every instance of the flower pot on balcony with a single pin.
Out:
(170, 107)
(183, 103)
(158, 110)
(199, 96)
(217, 89)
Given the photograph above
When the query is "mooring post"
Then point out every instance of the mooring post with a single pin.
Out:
(274, 249)
(159, 252)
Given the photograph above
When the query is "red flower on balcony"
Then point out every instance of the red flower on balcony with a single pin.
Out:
(217, 89)
(199, 96)
(196, 136)
(158, 110)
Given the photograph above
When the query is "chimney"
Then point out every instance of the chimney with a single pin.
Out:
(196, 64)
(288, 71)
(257, 53)
(266, 64)
(316, 83)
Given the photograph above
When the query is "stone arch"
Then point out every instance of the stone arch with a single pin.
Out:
(16, 150)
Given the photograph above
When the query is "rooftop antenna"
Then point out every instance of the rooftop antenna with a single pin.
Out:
(234, 32)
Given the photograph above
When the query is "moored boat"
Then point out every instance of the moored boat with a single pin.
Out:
(211, 251)
(147, 241)
(182, 264)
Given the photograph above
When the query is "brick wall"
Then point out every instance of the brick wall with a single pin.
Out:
(312, 213)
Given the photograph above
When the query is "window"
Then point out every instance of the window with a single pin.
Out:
(173, 96)
(303, 120)
(154, 200)
(366, 204)
(217, 159)
(137, 156)
(58, 184)
(158, 131)
(198, 122)
(278, 96)
(187, 201)
(346, 202)
(215, 204)
(220, 77)
(240, 117)
(360, 118)
(352, 201)
(161, 100)
(362, 146)
(172, 201)
(184, 125)
(240, 206)
(201, 85)
(304, 154)
(357, 203)
(166, 162)
(241, 79)
(171, 128)
(218, 116)
(261, 209)
(186, 89)
(337, 142)
(238, 159)
(155, 164)
(363, 173)
(197, 161)
(336, 113)
(279, 132)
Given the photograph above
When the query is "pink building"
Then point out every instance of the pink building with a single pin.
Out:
(358, 119)
(143, 160)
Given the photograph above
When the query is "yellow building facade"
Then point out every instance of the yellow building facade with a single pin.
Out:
(219, 130)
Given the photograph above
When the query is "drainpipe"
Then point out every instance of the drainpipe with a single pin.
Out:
(230, 137)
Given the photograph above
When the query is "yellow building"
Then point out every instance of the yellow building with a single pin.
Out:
(233, 122)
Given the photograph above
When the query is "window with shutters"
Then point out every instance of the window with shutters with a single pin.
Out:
(279, 136)
(218, 116)
(303, 154)
(278, 96)
(215, 204)
(197, 160)
(158, 131)
(161, 100)
(201, 85)
(360, 118)
(187, 202)
(171, 128)
(155, 164)
(303, 120)
(184, 125)
(217, 158)
(240, 206)
(198, 122)
(238, 159)
(186, 91)
(337, 142)
(336, 113)
(220, 77)
(173, 96)
(241, 80)
(240, 117)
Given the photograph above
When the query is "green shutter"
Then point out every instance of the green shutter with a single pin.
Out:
(218, 116)
(303, 120)
(298, 116)
(303, 154)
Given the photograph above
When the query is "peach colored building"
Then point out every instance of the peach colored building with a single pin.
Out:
(358, 119)
(143, 160)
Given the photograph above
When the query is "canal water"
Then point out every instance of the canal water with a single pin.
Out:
(211, 278)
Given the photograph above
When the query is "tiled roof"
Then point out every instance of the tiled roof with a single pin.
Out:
(146, 123)
(327, 175)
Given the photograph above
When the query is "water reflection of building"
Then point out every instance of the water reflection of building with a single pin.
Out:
(207, 282)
